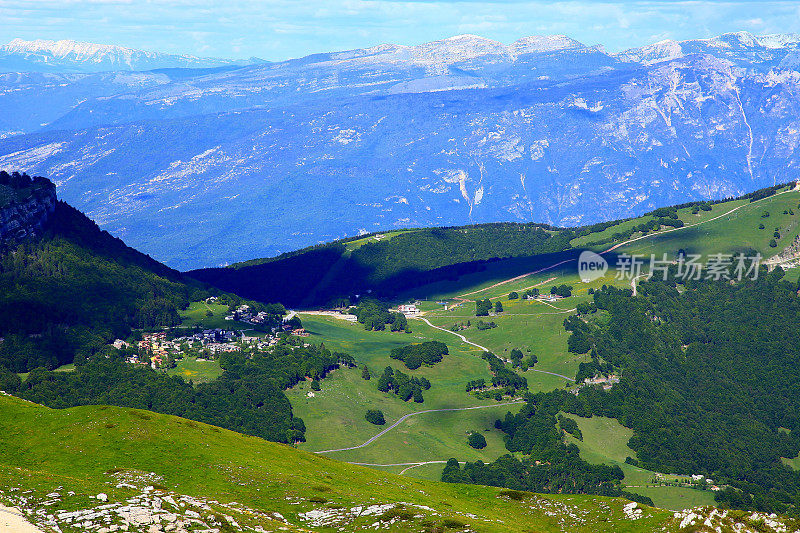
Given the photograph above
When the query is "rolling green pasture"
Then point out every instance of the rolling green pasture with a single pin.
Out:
(63, 368)
(334, 416)
(525, 325)
(79, 449)
(684, 214)
(792, 463)
(196, 316)
(735, 232)
(494, 272)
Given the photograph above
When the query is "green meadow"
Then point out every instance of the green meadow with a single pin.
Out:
(79, 451)
(334, 416)
(734, 232)
(197, 371)
(197, 315)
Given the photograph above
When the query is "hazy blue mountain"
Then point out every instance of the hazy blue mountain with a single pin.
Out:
(74, 56)
(201, 167)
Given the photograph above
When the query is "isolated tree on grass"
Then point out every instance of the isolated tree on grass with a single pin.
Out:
(498, 307)
(476, 440)
(365, 373)
(375, 416)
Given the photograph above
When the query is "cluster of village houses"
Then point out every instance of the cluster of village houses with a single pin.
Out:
(244, 313)
(696, 479)
(155, 350)
(607, 382)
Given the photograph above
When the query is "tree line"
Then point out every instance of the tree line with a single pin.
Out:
(249, 396)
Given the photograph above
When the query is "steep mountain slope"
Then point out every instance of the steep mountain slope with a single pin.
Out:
(73, 56)
(741, 47)
(68, 288)
(452, 132)
(31, 100)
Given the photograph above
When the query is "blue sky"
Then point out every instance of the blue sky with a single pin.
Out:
(280, 29)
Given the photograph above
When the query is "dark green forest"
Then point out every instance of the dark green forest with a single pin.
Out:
(404, 386)
(386, 267)
(375, 316)
(71, 291)
(710, 382)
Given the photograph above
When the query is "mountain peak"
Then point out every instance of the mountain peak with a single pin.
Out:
(67, 55)
(65, 47)
(740, 42)
(544, 43)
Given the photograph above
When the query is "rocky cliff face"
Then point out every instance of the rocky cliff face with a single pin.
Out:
(21, 218)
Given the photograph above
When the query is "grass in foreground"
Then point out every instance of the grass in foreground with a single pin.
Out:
(86, 449)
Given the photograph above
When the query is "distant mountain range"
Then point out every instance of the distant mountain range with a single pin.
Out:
(203, 166)
(73, 56)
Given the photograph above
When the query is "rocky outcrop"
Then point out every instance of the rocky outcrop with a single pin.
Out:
(788, 258)
(26, 217)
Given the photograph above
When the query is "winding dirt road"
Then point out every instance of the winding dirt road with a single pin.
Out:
(405, 417)
(463, 338)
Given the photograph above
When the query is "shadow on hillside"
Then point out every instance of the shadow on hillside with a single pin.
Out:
(314, 278)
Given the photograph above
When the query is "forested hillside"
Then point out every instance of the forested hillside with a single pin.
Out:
(69, 290)
(709, 374)
(75, 288)
(386, 264)
(397, 261)
(247, 398)
(710, 382)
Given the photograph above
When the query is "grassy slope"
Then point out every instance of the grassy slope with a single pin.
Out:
(793, 463)
(196, 315)
(735, 232)
(525, 325)
(44, 449)
(685, 214)
(190, 369)
(335, 415)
